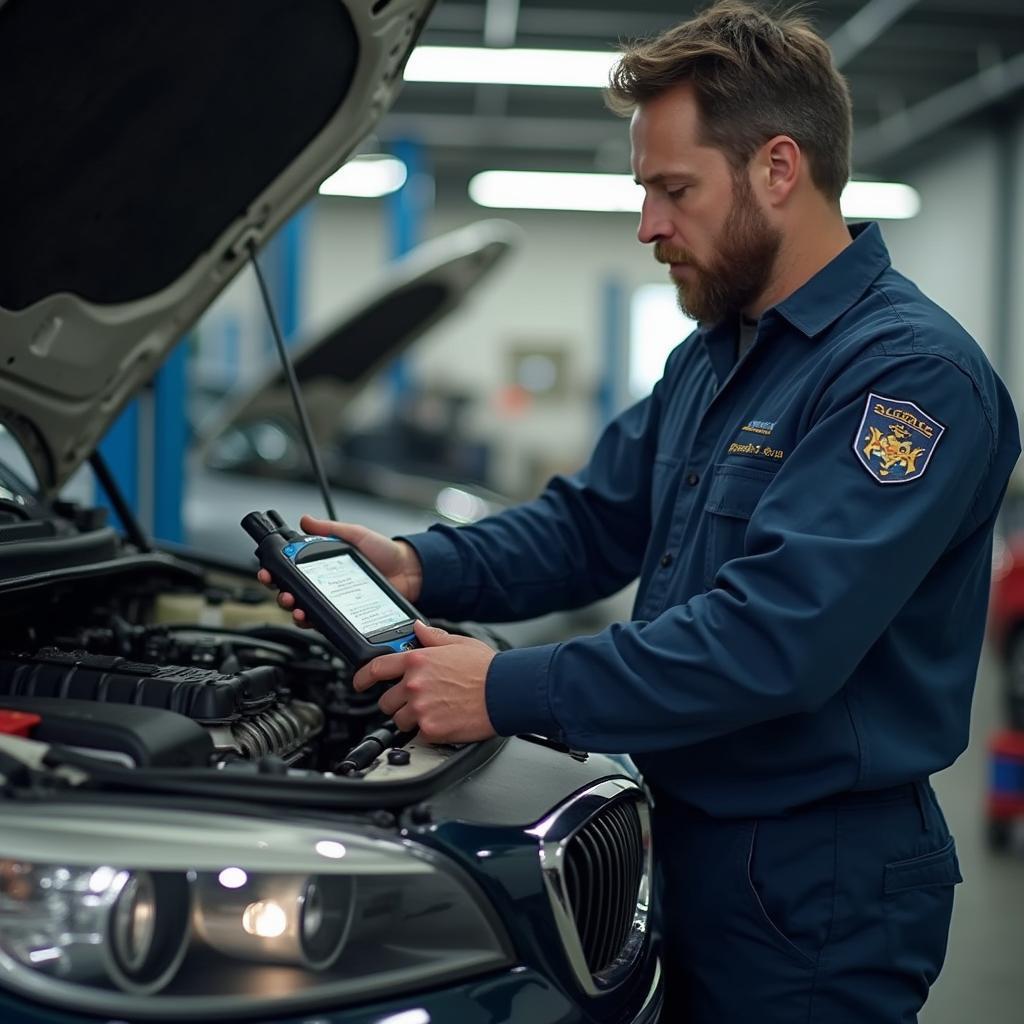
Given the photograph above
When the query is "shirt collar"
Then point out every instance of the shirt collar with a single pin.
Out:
(839, 284)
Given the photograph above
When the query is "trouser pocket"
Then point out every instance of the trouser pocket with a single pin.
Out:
(918, 905)
(789, 874)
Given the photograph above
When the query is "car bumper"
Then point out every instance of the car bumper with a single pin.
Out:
(517, 996)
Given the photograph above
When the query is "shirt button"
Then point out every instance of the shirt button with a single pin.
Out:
(692, 479)
(666, 559)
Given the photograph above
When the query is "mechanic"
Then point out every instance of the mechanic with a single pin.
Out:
(807, 498)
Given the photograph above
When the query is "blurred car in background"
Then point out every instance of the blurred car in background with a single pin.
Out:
(397, 479)
(1006, 621)
(253, 437)
(255, 430)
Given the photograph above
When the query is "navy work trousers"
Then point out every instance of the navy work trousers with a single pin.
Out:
(837, 913)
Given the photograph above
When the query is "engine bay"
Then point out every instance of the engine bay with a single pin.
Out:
(131, 668)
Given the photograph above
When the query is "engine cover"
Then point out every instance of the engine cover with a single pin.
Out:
(204, 695)
(245, 714)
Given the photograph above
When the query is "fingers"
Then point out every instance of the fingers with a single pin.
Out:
(321, 527)
(265, 578)
(388, 666)
(405, 719)
(395, 699)
(351, 532)
(433, 636)
(430, 636)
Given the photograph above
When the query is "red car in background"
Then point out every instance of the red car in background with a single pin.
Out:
(1005, 801)
(1006, 620)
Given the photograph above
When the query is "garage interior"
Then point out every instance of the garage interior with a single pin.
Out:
(512, 381)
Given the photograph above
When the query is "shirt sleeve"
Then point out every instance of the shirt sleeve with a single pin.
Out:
(830, 555)
(581, 540)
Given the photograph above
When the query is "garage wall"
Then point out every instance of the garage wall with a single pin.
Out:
(948, 249)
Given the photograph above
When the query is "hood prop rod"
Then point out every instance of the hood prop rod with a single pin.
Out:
(117, 499)
(293, 386)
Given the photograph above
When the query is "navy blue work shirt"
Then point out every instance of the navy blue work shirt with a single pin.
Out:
(811, 528)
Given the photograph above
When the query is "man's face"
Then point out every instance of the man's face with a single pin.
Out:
(703, 219)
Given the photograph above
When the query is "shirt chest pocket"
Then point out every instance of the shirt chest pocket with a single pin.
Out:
(732, 498)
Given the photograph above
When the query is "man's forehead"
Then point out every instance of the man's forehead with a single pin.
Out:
(659, 159)
(668, 122)
(665, 141)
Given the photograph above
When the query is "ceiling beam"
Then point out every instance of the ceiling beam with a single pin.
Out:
(465, 130)
(857, 34)
(901, 130)
(567, 24)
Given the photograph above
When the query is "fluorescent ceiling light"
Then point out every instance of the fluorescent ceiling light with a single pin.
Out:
(494, 66)
(552, 190)
(879, 200)
(366, 177)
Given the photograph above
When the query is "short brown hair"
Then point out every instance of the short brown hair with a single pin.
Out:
(755, 75)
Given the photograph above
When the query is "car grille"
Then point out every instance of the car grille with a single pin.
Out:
(595, 856)
(604, 864)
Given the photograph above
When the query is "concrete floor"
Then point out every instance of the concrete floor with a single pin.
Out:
(983, 980)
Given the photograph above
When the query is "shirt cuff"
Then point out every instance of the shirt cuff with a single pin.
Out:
(517, 692)
(442, 588)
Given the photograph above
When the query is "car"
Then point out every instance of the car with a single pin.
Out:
(254, 431)
(1005, 626)
(200, 819)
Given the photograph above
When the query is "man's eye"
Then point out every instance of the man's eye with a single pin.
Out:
(676, 193)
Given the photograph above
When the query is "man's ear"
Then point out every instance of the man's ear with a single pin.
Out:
(777, 167)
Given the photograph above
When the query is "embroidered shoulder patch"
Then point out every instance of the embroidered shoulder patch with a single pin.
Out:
(896, 439)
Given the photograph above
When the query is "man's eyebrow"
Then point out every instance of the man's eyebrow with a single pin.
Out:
(659, 179)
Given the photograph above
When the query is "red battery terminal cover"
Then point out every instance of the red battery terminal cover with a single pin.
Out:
(17, 723)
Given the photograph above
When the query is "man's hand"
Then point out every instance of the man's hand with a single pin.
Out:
(396, 560)
(441, 688)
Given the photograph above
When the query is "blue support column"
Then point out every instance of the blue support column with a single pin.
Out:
(288, 294)
(407, 209)
(170, 440)
(281, 263)
(120, 450)
(613, 350)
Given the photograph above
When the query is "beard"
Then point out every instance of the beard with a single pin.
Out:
(738, 272)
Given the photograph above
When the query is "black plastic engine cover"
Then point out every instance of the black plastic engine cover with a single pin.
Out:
(149, 736)
(204, 695)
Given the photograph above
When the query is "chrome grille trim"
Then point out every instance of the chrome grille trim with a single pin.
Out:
(580, 844)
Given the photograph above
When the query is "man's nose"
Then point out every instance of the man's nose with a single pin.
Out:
(653, 225)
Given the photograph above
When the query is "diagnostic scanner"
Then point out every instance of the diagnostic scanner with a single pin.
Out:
(342, 594)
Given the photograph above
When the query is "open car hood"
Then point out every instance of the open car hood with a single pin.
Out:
(149, 146)
(413, 294)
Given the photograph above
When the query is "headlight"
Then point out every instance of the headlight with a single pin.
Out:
(285, 919)
(83, 924)
(191, 916)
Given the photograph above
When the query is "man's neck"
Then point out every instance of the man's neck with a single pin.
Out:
(802, 254)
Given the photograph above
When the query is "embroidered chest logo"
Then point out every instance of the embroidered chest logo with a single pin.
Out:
(896, 439)
(749, 446)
